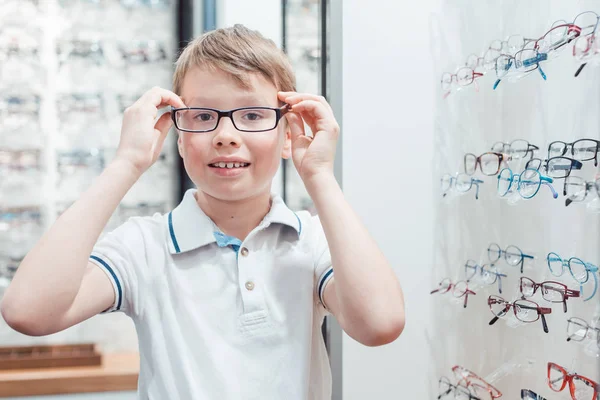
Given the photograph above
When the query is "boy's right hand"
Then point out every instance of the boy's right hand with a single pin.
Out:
(142, 136)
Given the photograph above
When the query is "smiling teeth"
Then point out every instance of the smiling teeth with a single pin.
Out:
(229, 165)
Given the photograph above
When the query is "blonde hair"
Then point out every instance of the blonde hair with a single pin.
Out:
(237, 51)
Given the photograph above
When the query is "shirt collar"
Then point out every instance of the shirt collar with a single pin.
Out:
(190, 228)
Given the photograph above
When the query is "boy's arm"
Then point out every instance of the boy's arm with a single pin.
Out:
(364, 295)
(56, 286)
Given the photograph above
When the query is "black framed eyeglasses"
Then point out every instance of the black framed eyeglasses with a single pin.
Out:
(582, 149)
(245, 119)
(555, 167)
(527, 394)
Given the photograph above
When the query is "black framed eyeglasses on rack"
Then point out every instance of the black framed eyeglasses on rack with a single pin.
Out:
(556, 167)
(582, 149)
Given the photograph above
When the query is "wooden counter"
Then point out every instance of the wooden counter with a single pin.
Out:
(118, 372)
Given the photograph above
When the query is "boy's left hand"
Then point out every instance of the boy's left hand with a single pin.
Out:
(312, 156)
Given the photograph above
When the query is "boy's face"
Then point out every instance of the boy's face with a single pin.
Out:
(262, 151)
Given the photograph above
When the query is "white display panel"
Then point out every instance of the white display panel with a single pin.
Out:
(539, 107)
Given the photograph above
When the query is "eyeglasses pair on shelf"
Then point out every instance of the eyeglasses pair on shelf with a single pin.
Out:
(488, 273)
(580, 387)
(524, 310)
(582, 30)
(527, 184)
(93, 51)
(518, 56)
(529, 311)
(578, 330)
(469, 386)
(527, 394)
(128, 4)
(553, 292)
(20, 161)
(557, 164)
(460, 183)
(458, 289)
(579, 270)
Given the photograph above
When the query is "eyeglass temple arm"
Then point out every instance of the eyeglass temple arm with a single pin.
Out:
(477, 182)
(569, 293)
(542, 73)
(495, 319)
(579, 69)
(544, 323)
(497, 83)
(467, 293)
(595, 286)
(554, 193)
(500, 281)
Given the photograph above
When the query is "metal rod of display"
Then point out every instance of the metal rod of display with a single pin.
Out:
(186, 30)
(284, 163)
(209, 8)
(331, 57)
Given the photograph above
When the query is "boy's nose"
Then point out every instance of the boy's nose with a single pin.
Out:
(226, 134)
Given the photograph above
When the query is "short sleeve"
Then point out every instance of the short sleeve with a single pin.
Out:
(322, 257)
(119, 254)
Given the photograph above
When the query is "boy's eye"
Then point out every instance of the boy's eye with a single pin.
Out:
(252, 116)
(203, 116)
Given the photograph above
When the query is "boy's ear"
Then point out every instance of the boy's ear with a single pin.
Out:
(286, 152)
(180, 145)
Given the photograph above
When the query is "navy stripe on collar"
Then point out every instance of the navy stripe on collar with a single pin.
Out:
(172, 232)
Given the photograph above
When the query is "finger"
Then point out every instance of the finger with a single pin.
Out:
(296, 125)
(160, 98)
(313, 108)
(284, 95)
(164, 123)
(162, 128)
(295, 98)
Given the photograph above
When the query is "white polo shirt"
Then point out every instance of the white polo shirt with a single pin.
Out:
(221, 319)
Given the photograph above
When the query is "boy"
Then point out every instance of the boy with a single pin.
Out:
(229, 290)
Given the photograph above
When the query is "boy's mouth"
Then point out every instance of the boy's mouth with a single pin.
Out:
(229, 165)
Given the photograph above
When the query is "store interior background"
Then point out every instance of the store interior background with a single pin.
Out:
(385, 60)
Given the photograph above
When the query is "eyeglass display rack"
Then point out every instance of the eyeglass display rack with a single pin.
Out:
(68, 70)
(512, 353)
(303, 47)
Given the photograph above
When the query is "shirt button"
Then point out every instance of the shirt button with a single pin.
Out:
(244, 251)
(249, 285)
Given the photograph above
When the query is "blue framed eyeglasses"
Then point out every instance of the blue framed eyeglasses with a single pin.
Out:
(512, 255)
(579, 270)
(462, 183)
(528, 183)
(487, 273)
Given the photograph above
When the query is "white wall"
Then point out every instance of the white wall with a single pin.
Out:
(262, 15)
(387, 149)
